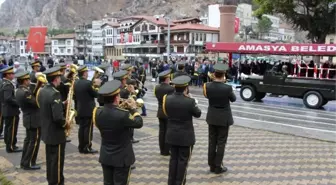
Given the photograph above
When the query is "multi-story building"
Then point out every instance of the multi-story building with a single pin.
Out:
(83, 39)
(287, 33)
(97, 38)
(63, 45)
(330, 39)
(15, 46)
(112, 50)
(24, 51)
(4, 45)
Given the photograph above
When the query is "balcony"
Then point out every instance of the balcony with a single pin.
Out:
(179, 41)
(152, 42)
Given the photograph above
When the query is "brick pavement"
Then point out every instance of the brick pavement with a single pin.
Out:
(252, 156)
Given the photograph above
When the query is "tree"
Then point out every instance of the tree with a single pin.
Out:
(264, 25)
(317, 17)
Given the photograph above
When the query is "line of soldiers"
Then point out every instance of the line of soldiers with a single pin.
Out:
(176, 109)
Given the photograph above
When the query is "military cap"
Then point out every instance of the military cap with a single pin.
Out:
(54, 71)
(62, 65)
(83, 68)
(165, 74)
(221, 67)
(181, 81)
(22, 75)
(35, 63)
(126, 67)
(103, 66)
(110, 88)
(7, 70)
(120, 74)
(131, 82)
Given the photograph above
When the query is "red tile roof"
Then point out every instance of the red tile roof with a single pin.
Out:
(112, 24)
(64, 36)
(4, 38)
(189, 26)
(187, 20)
(160, 21)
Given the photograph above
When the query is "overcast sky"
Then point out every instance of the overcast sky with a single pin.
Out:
(1, 1)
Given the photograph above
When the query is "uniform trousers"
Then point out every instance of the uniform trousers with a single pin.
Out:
(1, 124)
(217, 140)
(55, 163)
(85, 134)
(116, 175)
(178, 164)
(164, 147)
(11, 128)
(31, 145)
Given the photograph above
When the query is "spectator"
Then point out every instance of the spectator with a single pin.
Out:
(18, 68)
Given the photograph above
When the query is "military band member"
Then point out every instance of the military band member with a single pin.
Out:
(180, 110)
(53, 125)
(85, 97)
(219, 117)
(160, 90)
(31, 121)
(142, 73)
(180, 70)
(10, 109)
(35, 65)
(114, 123)
(104, 78)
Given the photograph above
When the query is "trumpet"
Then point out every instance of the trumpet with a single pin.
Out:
(130, 103)
(41, 80)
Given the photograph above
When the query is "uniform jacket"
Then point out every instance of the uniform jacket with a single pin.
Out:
(142, 74)
(10, 107)
(33, 81)
(29, 108)
(85, 97)
(159, 91)
(63, 88)
(219, 95)
(104, 79)
(52, 116)
(114, 125)
(179, 73)
(180, 111)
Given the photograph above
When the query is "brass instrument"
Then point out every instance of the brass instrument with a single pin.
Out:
(212, 77)
(41, 80)
(130, 103)
(98, 72)
(70, 111)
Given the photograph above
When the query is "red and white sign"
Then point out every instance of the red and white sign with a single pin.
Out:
(130, 37)
(122, 38)
(276, 49)
(237, 24)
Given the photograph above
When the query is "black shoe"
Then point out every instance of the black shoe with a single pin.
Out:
(93, 151)
(135, 141)
(34, 167)
(68, 140)
(212, 169)
(220, 170)
(14, 151)
(163, 154)
(144, 115)
(133, 167)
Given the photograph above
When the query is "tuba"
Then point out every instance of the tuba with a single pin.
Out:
(41, 80)
(70, 111)
(97, 74)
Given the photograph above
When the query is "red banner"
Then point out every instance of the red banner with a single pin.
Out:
(36, 39)
(237, 25)
(276, 49)
(130, 37)
(121, 37)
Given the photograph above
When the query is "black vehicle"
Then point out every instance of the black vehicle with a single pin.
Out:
(314, 92)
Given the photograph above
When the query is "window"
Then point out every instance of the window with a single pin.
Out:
(55, 42)
(137, 28)
(22, 51)
(331, 41)
(61, 50)
(69, 42)
(118, 31)
(196, 39)
(201, 37)
(118, 41)
(21, 43)
(144, 27)
(55, 50)
(152, 27)
(68, 51)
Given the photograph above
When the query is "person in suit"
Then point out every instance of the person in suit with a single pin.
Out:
(219, 117)
(180, 110)
(10, 110)
(85, 97)
(180, 70)
(53, 125)
(35, 65)
(159, 91)
(31, 121)
(114, 123)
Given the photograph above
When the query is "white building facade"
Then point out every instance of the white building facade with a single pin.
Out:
(97, 38)
(63, 45)
(24, 51)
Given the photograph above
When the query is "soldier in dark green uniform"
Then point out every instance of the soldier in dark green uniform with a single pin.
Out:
(114, 123)
(122, 76)
(180, 110)
(85, 98)
(180, 70)
(35, 68)
(31, 121)
(104, 78)
(219, 117)
(160, 90)
(53, 125)
(10, 109)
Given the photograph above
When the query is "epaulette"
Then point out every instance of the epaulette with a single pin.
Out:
(122, 109)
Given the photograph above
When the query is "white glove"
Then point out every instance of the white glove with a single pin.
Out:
(196, 101)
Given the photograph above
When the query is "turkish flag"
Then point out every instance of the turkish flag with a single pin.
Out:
(237, 24)
(36, 38)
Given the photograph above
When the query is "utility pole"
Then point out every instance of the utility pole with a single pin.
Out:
(168, 37)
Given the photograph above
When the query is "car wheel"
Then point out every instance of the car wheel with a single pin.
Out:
(247, 93)
(313, 100)
(260, 95)
(324, 102)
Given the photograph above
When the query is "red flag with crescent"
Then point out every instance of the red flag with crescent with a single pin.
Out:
(36, 39)
(236, 26)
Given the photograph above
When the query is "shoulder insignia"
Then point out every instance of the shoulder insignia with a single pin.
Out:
(57, 101)
(55, 89)
(29, 97)
(122, 109)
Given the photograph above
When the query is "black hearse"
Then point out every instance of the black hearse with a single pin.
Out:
(314, 92)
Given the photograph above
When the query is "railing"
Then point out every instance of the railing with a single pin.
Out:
(318, 72)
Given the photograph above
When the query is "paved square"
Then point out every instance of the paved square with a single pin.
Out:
(252, 156)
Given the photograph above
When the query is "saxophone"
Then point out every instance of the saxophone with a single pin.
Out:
(70, 111)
